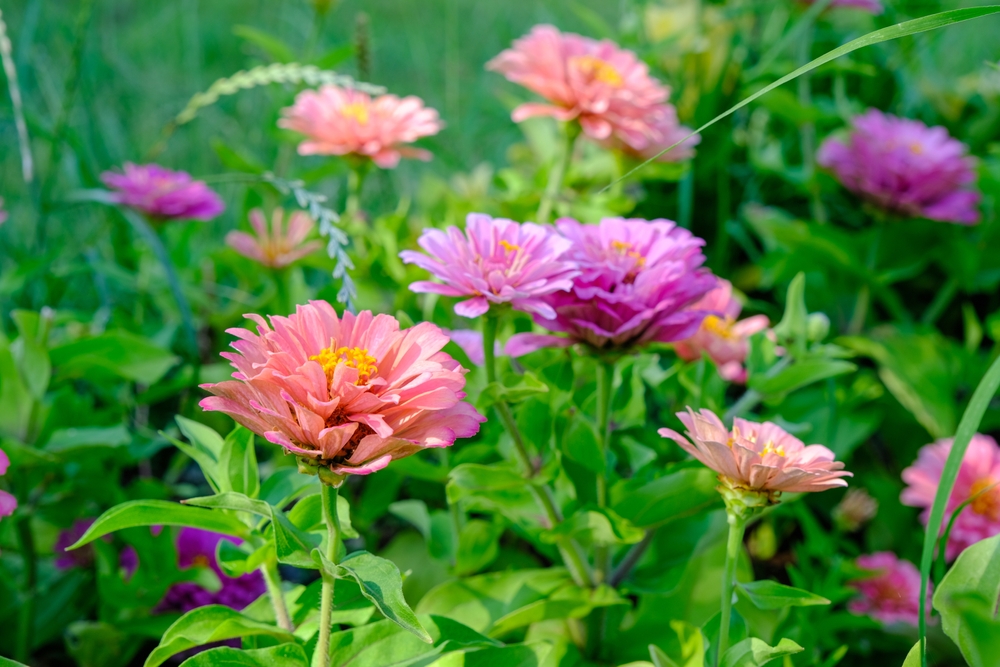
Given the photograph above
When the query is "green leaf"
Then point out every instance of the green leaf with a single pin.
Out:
(7, 662)
(201, 436)
(582, 444)
(966, 598)
(160, 513)
(753, 652)
(30, 354)
(88, 437)
(913, 657)
(596, 525)
(415, 513)
(800, 374)
(471, 479)
(568, 602)
(206, 625)
(478, 546)
(344, 518)
(283, 655)
(385, 643)
(97, 644)
(681, 494)
(791, 330)
(116, 353)
(768, 595)
(686, 648)
(238, 463)
(276, 49)
(527, 386)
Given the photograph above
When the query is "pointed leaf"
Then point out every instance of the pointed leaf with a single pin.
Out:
(238, 463)
(160, 513)
(976, 574)
(754, 652)
(283, 655)
(767, 595)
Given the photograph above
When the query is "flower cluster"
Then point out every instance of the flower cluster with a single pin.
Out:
(278, 246)
(163, 194)
(892, 593)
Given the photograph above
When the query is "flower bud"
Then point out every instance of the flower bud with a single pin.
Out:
(855, 510)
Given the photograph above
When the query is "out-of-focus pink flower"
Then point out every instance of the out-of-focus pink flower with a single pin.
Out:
(345, 393)
(892, 593)
(471, 342)
(979, 472)
(905, 168)
(637, 280)
(8, 503)
(343, 121)
(757, 457)
(197, 548)
(666, 131)
(278, 246)
(3, 213)
(495, 261)
(163, 194)
(870, 6)
(605, 88)
(721, 336)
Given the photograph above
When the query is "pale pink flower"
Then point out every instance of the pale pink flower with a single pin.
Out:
(892, 593)
(757, 457)
(980, 471)
(278, 246)
(607, 89)
(721, 336)
(495, 261)
(345, 393)
(8, 503)
(344, 121)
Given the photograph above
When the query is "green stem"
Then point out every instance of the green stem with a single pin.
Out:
(26, 620)
(273, 582)
(602, 556)
(940, 302)
(321, 658)
(570, 132)
(863, 302)
(737, 526)
(355, 181)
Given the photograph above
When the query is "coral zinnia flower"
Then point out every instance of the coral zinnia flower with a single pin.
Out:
(163, 194)
(605, 88)
(636, 282)
(278, 246)
(8, 503)
(721, 336)
(343, 121)
(979, 474)
(761, 458)
(349, 393)
(905, 168)
(892, 593)
(495, 261)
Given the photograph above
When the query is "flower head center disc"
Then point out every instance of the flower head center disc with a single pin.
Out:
(595, 69)
(987, 504)
(357, 111)
(352, 357)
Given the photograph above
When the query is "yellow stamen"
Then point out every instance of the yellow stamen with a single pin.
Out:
(621, 247)
(916, 148)
(597, 69)
(509, 247)
(718, 326)
(988, 504)
(357, 111)
(640, 261)
(769, 448)
(352, 357)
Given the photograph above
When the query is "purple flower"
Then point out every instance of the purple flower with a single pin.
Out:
(82, 557)
(636, 280)
(8, 503)
(495, 261)
(163, 194)
(905, 168)
(197, 547)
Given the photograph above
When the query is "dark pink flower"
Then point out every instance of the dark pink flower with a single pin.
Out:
(163, 194)
(8, 503)
(279, 245)
(892, 593)
(905, 168)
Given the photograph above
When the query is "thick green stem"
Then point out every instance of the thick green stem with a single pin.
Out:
(26, 619)
(570, 131)
(273, 582)
(737, 526)
(321, 658)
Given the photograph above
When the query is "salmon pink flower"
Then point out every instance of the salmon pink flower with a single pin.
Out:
(605, 88)
(637, 280)
(344, 121)
(163, 194)
(346, 395)
(892, 593)
(8, 503)
(278, 246)
(978, 476)
(495, 261)
(721, 336)
(666, 131)
(905, 168)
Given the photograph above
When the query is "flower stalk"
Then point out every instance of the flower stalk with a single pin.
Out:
(737, 528)
(570, 131)
(272, 580)
(321, 658)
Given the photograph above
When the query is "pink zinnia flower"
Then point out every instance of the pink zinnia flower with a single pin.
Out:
(980, 470)
(905, 168)
(757, 457)
(495, 261)
(721, 336)
(637, 280)
(3, 213)
(666, 131)
(345, 393)
(892, 593)
(163, 194)
(870, 6)
(278, 246)
(605, 88)
(8, 503)
(343, 121)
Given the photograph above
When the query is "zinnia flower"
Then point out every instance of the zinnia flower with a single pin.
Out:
(757, 458)
(344, 121)
(666, 131)
(905, 168)
(870, 6)
(163, 194)
(278, 246)
(637, 280)
(979, 474)
(345, 394)
(892, 593)
(606, 89)
(8, 503)
(721, 336)
(495, 261)
(3, 213)
(198, 547)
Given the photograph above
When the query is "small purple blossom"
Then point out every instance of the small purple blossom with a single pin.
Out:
(162, 193)
(197, 547)
(905, 168)
(82, 557)
(637, 279)
(495, 261)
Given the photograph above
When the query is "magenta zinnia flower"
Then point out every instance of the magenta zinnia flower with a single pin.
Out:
(605, 88)
(892, 593)
(721, 336)
(344, 121)
(905, 168)
(636, 282)
(349, 393)
(198, 547)
(163, 194)
(278, 246)
(495, 261)
(757, 457)
(979, 474)
(8, 503)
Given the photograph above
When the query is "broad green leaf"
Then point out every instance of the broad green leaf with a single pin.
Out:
(478, 546)
(800, 374)
(766, 594)
(282, 655)
(202, 436)
(238, 463)
(15, 399)
(470, 479)
(30, 354)
(284, 485)
(237, 560)
(582, 444)
(753, 652)
(568, 602)
(791, 330)
(206, 625)
(686, 648)
(596, 525)
(88, 437)
(913, 657)
(972, 626)
(385, 643)
(530, 654)
(678, 495)
(160, 513)
(527, 386)
(344, 518)
(118, 353)
(415, 513)
(7, 662)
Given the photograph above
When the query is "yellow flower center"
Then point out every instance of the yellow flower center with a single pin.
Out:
(596, 69)
(769, 448)
(916, 148)
(721, 327)
(509, 247)
(988, 504)
(352, 357)
(357, 111)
